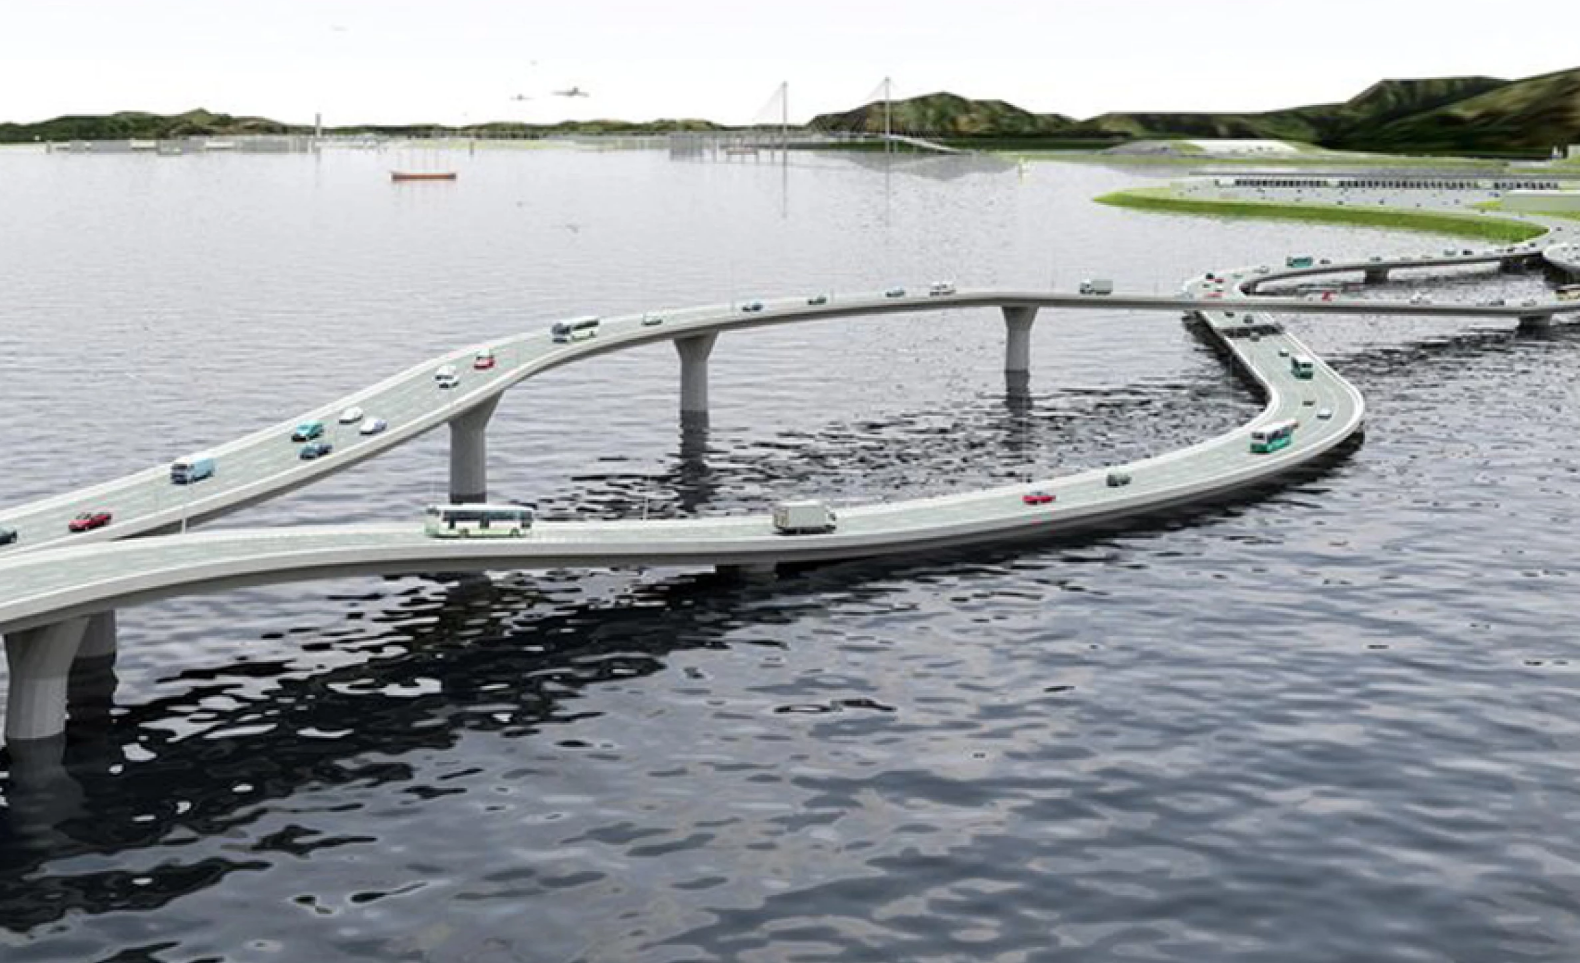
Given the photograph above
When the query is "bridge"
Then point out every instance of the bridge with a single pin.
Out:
(57, 607)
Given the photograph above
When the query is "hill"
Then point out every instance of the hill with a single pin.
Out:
(128, 125)
(944, 115)
(1437, 115)
(1532, 114)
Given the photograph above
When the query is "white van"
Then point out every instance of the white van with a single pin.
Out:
(804, 517)
(447, 377)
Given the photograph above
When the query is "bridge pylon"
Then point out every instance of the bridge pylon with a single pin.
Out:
(469, 454)
(1017, 347)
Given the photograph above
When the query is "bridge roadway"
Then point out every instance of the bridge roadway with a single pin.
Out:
(264, 464)
(46, 595)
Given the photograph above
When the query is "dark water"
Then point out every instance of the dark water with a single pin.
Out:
(1330, 723)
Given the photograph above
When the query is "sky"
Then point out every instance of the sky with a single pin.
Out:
(467, 61)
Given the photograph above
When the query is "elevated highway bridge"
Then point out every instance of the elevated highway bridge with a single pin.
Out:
(59, 591)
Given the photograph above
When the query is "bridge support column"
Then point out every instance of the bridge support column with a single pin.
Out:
(1017, 348)
(1376, 275)
(90, 691)
(469, 454)
(40, 666)
(694, 352)
(1536, 322)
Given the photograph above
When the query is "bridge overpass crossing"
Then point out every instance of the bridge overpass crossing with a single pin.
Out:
(56, 609)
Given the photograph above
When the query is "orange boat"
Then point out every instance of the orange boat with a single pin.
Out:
(422, 175)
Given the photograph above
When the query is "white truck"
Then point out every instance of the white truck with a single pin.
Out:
(1097, 286)
(804, 517)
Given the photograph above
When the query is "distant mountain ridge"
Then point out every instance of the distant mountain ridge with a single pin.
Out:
(1446, 114)
(137, 125)
(1439, 115)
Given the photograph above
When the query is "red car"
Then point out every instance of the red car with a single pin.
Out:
(88, 521)
(1037, 498)
(484, 360)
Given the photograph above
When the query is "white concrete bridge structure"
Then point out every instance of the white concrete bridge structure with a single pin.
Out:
(58, 601)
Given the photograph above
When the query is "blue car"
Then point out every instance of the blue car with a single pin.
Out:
(315, 449)
(307, 431)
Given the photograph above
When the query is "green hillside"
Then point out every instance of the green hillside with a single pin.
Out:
(944, 115)
(1532, 114)
(131, 124)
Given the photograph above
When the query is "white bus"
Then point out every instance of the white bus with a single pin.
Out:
(1302, 367)
(576, 329)
(478, 521)
(1273, 437)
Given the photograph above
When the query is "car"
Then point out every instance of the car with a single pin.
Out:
(1325, 261)
(447, 377)
(1420, 299)
(940, 289)
(307, 431)
(1496, 303)
(314, 449)
(484, 360)
(752, 307)
(8, 536)
(1117, 478)
(1528, 303)
(372, 426)
(652, 320)
(1038, 497)
(1467, 252)
(351, 415)
(1308, 401)
(1324, 413)
(1228, 314)
(894, 293)
(817, 299)
(1283, 352)
(88, 521)
(1263, 269)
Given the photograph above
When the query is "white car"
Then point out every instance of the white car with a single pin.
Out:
(941, 288)
(1325, 413)
(351, 415)
(372, 426)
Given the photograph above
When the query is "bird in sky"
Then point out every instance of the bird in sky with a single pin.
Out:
(520, 97)
(572, 91)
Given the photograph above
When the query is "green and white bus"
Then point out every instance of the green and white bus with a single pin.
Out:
(478, 521)
(1302, 367)
(1273, 437)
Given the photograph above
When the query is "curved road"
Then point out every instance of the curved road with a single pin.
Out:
(46, 587)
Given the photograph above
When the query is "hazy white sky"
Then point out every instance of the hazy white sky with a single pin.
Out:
(463, 60)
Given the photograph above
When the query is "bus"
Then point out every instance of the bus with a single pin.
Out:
(1302, 367)
(1273, 437)
(191, 469)
(1298, 261)
(576, 329)
(479, 520)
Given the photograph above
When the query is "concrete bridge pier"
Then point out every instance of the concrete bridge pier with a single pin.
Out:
(1017, 348)
(469, 454)
(1376, 275)
(694, 351)
(90, 688)
(39, 662)
(1536, 322)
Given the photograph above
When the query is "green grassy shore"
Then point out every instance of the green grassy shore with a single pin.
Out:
(1481, 226)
